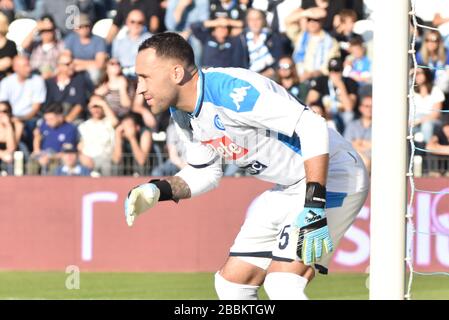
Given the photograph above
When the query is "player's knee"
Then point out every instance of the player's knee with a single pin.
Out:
(285, 286)
(227, 290)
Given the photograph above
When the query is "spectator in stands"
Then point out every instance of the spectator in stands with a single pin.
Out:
(314, 47)
(116, 89)
(150, 8)
(65, 12)
(230, 9)
(8, 141)
(7, 8)
(358, 131)
(219, 48)
(132, 145)
(125, 49)
(49, 137)
(8, 48)
(70, 165)
(180, 14)
(25, 92)
(43, 47)
(150, 121)
(176, 154)
(439, 144)
(357, 65)
(343, 30)
(337, 93)
(428, 100)
(288, 78)
(23, 7)
(333, 9)
(17, 125)
(263, 47)
(97, 137)
(434, 55)
(68, 88)
(318, 107)
(88, 50)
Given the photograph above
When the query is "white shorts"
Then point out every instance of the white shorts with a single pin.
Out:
(266, 233)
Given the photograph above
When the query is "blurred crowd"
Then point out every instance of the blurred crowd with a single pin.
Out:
(67, 89)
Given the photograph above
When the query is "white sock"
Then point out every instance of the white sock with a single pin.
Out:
(227, 290)
(285, 286)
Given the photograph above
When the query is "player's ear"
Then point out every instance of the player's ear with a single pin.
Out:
(178, 73)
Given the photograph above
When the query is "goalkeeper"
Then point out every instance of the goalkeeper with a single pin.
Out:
(235, 115)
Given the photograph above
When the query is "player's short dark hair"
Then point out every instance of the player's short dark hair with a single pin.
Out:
(54, 107)
(170, 45)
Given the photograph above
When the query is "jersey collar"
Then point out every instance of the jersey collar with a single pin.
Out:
(199, 94)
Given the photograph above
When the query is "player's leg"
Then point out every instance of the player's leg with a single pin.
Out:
(250, 255)
(287, 280)
(238, 280)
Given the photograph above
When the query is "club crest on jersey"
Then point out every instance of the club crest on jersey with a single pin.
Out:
(218, 124)
(227, 148)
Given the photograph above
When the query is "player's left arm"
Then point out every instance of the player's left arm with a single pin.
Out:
(202, 173)
(188, 182)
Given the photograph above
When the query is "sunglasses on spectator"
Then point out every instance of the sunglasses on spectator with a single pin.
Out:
(84, 26)
(46, 30)
(432, 40)
(313, 19)
(285, 66)
(140, 22)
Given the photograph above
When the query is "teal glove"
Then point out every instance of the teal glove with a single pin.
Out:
(312, 227)
(140, 199)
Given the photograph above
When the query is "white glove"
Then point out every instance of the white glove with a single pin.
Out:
(140, 199)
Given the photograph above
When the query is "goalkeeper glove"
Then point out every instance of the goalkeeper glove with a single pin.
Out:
(140, 199)
(312, 227)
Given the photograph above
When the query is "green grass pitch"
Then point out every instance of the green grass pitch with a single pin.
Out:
(185, 286)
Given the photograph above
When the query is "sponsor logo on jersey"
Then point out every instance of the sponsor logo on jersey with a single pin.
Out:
(227, 148)
(254, 168)
(238, 95)
(218, 124)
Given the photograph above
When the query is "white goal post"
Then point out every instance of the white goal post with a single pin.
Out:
(389, 149)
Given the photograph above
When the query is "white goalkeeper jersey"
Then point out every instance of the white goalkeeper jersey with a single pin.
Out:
(249, 120)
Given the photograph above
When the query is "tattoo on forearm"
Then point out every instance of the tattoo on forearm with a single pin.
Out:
(179, 188)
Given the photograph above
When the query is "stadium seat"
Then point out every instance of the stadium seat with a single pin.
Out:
(19, 29)
(365, 28)
(101, 27)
